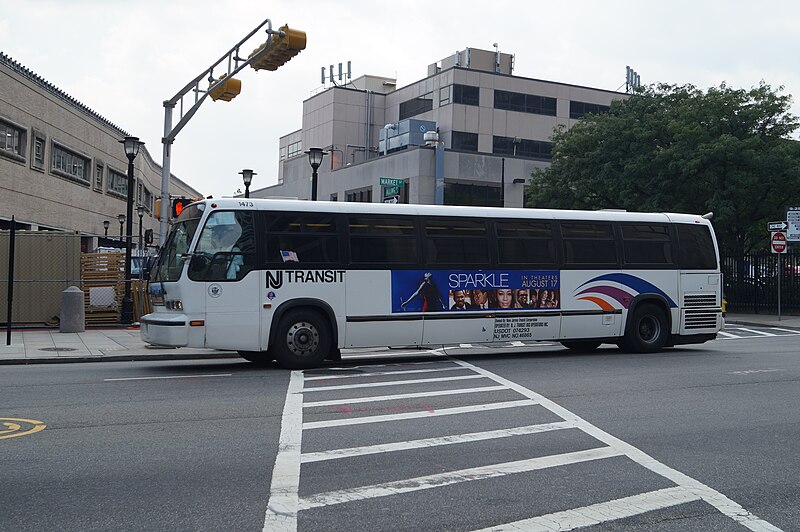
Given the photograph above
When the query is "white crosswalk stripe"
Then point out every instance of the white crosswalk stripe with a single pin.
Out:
(285, 502)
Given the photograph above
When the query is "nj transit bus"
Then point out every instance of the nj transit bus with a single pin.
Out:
(297, 281)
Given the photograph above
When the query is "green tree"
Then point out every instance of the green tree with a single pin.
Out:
(678, 149)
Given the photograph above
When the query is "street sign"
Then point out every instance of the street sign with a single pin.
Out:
(793, 221)
(391, 191)
(777, 226)
(393, 199)
(778, 242)
(392, 182)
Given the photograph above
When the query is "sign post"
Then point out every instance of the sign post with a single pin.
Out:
(793, 222)
(779, 245)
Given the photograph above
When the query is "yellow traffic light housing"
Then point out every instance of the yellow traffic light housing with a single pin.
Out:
(157, 209)
(282, 47)
(228, 90)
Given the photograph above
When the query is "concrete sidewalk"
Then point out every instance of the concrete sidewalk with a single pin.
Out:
(39, 346)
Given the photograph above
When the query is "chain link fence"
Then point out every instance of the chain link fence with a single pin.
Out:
(46, 263)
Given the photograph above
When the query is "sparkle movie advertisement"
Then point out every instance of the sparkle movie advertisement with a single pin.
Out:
(456, 290)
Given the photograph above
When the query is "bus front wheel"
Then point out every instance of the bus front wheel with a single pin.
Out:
(648, 331)
(302, 340)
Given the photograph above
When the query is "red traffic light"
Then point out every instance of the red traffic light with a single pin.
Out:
(178, 204)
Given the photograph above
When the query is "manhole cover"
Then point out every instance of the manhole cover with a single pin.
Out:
(58, 349)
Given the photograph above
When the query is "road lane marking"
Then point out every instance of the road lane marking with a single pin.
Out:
(716, 499)
(761, 333)
(434, 393)
(15, 427)
(415, 415)
(454, 477)
(728, 335)
(793, 331)
(389, 383)
(283, 503)
(432, 442)
(603, 512)
(168, 377)
(380, 373)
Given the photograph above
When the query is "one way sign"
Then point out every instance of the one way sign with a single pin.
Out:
(777, 226)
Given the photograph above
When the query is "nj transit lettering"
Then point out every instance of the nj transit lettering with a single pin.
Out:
(276, 279)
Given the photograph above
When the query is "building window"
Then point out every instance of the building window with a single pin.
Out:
(117, 183)
(12, 140)
(147, 200)
(464, 141)
(360, 195)
(477, 195)
(445, 95)
(536, 149)
(579, 109)
(282, 153)
(38, 149)
(294, 149)
(99, 170)
(70, 164)
(466, 95)
(416, 106)
(524, 103)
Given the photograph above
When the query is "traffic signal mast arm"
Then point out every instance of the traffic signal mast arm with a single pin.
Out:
(287, 44)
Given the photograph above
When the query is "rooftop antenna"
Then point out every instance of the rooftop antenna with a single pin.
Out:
(496, 58)
(341, 75)
(632, 80)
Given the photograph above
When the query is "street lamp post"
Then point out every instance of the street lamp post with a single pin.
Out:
(140, 212)
(247, 176)
(106, 223)
(315, 156)
(132, 145)
(121, 219)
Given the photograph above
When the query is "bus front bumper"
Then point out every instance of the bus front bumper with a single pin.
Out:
(165, 329)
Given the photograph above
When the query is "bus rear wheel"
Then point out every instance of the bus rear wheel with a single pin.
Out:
(648, 331)
(302, 340)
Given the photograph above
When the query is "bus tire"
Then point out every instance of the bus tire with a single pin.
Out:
(581, 345)
(648, 331)
(256, 357)
(302, 340)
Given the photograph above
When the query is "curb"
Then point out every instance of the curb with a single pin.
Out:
(119, 358)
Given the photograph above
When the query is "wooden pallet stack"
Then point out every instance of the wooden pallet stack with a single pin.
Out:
(103, 285)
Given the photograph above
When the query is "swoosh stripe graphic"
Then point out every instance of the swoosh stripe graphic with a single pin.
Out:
(637, 283)
(603, 304)
(623, 297)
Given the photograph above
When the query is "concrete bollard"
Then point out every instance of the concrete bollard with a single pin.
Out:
(73, 315)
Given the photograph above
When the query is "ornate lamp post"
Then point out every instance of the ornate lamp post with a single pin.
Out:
(315, 156)
(121, 219)
(106, 223)
(140, 212)
(247, 177)
(132, 145)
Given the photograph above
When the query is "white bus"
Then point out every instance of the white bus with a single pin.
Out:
(297, 281)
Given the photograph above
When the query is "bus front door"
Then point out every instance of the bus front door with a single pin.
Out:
(233, 314)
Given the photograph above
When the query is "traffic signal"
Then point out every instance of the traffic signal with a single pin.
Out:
(158, 209)
(178, 204)
(282, 47)
(226, 91)
(148, 236)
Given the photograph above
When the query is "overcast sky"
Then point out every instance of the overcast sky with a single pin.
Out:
(124, 58)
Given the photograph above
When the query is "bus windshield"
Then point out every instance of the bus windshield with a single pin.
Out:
(175, 252)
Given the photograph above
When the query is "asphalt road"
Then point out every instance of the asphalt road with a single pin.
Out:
(702, 438)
